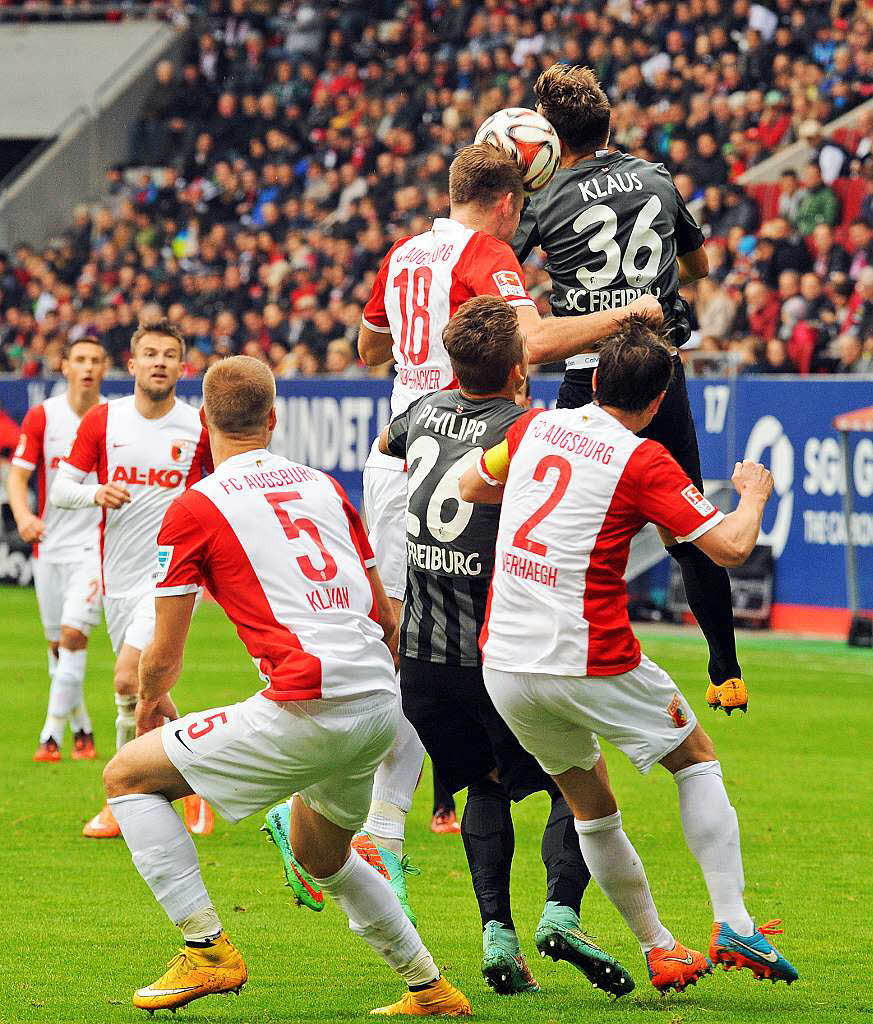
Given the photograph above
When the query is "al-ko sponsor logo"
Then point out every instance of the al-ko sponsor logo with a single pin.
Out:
(766, 434)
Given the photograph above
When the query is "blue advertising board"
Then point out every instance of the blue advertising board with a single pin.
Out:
(784, 422)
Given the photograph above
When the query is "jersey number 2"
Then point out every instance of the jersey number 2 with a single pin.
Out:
(418, 320)
(522, 534)
(293, 528)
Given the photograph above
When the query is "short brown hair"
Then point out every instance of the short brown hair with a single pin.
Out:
(635, 365)
(484, 343)
(162, 327)
(483, 174)
(238, 394)
(85, 339)
(572, 100)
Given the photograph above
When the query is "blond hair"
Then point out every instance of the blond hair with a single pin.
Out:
(483, 174)
(238, 394)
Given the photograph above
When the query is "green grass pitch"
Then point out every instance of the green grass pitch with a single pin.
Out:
(85, 931)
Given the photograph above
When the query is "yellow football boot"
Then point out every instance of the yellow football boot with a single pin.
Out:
(437, 1000)
(194, 973)
(729, 696)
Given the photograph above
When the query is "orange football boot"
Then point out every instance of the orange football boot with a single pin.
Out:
(83, 747)
(676, 968)
(731, 695)
(102, 825)
(199, 817)
(48, 752)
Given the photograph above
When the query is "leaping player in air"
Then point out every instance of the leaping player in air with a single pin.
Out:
(614, 227)
(66, 570)
(144, 449)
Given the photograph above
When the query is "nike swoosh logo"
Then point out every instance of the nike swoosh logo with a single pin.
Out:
(200, 824)
(179, 738)
(151, 993)
(316, 894)
(770, 957)
(678, 959)
(122, 444)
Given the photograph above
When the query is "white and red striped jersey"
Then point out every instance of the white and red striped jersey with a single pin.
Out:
(579, 487)
(46, 436)
(420, 285)
(285, 554)
(155, 460)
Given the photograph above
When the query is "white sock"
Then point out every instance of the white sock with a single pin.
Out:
(201, 925)
(713, 837)
(615, 866)
(393, 787)
(70, 676)
(162, 852)
(125, 719)
(374, 913)
(53, 727)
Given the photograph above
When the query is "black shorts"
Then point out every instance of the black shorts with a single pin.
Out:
(673, 424)
(466, 738)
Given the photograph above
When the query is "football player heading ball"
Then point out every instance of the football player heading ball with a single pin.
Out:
(613, 227)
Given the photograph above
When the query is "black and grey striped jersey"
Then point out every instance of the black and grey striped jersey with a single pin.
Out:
(449, 543)
(611, 227)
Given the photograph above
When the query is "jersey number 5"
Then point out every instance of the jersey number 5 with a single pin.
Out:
(522, 534)
(417, 319)
(293, 529)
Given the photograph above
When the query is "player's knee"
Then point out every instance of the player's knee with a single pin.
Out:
(116, 778)
(695, 749)
(73, 639)
(125, 681)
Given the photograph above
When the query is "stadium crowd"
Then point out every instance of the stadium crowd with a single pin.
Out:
(276, 164)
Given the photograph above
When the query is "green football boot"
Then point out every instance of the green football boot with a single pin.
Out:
(558, 935)
(504, 967)
(390, 867)
(278, 830)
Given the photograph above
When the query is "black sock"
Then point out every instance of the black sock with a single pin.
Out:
(427, 984)
(442, 798)
(489, 841)
(203, 943)
(708, 589)
(567, 874)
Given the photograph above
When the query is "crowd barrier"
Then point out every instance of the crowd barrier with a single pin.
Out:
(784, 422)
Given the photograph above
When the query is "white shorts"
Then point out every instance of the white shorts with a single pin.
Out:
(130, 620)
(385, 509)
(68, 594)
(558, 718)
(247, 756)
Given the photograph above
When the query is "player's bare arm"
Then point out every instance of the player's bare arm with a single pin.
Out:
(555, 338)
(161, 662)
(374, 347)
(30, 527)
(693, 266)
(731, 542)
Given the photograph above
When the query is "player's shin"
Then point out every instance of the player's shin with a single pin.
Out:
(375, 914)
(567, 874)
(617, 869)
(489, 842)
(713, 837)
(125, 719)
(393, 788)
(163, 853)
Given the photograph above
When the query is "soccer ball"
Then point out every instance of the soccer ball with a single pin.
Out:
(529, 139)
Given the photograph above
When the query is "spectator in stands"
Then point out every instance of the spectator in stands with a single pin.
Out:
(829, 257)
(819, 203)
(790, 194)
(762, 308)
(832, 159)
(861, 241)
(774, 359)
(850, 355)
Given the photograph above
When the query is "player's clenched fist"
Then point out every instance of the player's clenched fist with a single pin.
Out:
(31, 529)
(753, 479)
(111, 496)
(647, 306)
